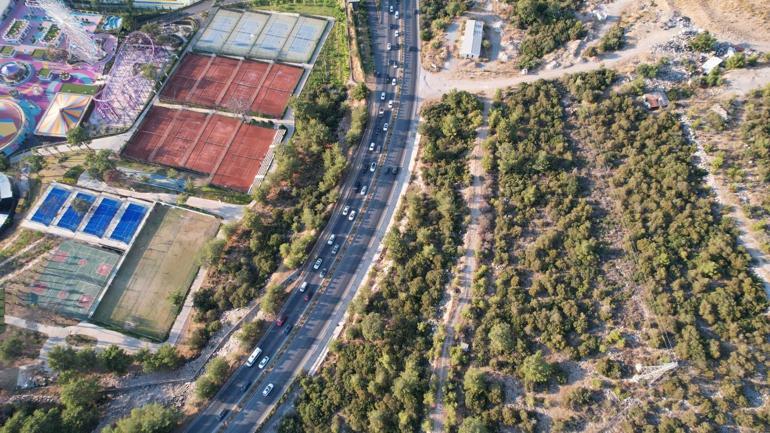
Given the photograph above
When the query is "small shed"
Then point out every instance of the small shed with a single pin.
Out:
(655, 100)
(472, 38)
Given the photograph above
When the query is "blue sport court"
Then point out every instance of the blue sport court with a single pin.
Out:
(76, 211)
(128, 223)
(102, 217)
(50, 206)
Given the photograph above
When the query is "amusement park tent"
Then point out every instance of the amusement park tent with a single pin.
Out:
(65, 112)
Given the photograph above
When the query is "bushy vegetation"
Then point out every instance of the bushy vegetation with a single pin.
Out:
(755, 130)
(77, 412)
(209, 382)
(709, 308)
(549, 24)
(377, 376)
(435, 16)
(703, 42)
(113, 359)
(151, 418)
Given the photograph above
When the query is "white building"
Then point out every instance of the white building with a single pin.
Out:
(472, 37)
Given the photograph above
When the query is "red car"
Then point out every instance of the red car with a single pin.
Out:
(308, 295)
(281, 320)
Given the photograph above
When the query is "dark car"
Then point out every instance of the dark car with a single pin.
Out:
(288, 329)
(281, 320)
(222, 414)
(245, 386)
(308, 295)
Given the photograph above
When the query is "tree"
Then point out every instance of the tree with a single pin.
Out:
(473, 425)
(177, 298)
(77, 136)
(271, 300)
(476, 388)
(149, 71)
(501, 339)
(535, 370)
(248, 334)
(703, 42)
(115, 359)
(97, 163)
(4, 164)
(212, 251)
(151, 418)
(62, 358)
(359, 91)
(11, 348)
(80, 392)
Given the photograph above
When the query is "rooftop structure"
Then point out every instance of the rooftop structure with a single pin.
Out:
(472, 37)
(7, 200)
(80, 43)
(12, 125)
(655, 100)
(65, 112)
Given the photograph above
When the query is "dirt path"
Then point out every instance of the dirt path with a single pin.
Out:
(474, 196)
(746, 235)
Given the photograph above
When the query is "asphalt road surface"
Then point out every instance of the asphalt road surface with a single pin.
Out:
(310, 318)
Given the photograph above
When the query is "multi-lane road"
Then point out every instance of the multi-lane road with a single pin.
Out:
(310, 318)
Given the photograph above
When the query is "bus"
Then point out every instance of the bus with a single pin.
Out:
(253, 357)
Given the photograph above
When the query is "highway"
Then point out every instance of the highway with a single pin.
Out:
(312, 317)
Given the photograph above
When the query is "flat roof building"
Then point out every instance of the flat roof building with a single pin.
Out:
(472, 37)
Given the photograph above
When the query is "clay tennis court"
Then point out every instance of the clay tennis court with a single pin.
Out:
(162, 261)
(224, 147)
(236, 85)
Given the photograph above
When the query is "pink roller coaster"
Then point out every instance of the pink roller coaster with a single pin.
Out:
(127, 88)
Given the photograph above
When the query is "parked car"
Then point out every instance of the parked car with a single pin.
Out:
(322, 274)
(363, 190)
(390, 104)
(352, 215)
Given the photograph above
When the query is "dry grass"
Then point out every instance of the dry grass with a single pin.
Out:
(735, 20)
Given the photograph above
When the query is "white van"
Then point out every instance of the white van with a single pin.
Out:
(253, 357)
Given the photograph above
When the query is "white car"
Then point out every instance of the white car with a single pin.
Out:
(331, 239)
(264, 362)
(390, 104)
(396, 14)
(371, 147)
(385, 127)
(382, 96)
(391, 9)
(397, 34)
(317, 263)
(268, 388)
(352, 215)
(380, 112)
(363, 190)
(303, 287)
(390, 46)
(372, 167)
(393, 82)
(335, 248)
(345, 210)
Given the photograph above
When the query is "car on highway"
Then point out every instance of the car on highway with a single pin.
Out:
(245, 386)
(395, 170)
(373, 166)
(317, 263)
(331, 239)
(222, 414)
(352, 215)
(264, 362)
(345, 210)
(391, 9)
(380, 112)
(323, 272)
(280, 321)
(385, 127)
(288, 329)
(303, 287)
(390, 104)
(267, 390)
(307, 296)
(393, 82)
(396, 14)
(382, 96)
(397, 34)
(371, 146)
(390, 46)
(363, 190)
(335, 248)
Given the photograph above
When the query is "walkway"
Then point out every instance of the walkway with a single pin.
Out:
(474, 196)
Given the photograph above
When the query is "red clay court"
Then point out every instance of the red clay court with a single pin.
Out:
(212, 81)
(227, 149)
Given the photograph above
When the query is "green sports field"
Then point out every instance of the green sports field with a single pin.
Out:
(162, 261)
